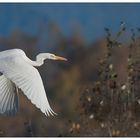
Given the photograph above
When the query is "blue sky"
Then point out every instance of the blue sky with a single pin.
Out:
(92, 18)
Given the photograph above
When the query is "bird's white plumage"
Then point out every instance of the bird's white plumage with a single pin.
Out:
(16, 68)
(8, 97)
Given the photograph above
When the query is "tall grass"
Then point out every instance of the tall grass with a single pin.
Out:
(110, 107)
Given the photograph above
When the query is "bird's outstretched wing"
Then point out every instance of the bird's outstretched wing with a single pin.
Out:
(28, 79)
(8, 97)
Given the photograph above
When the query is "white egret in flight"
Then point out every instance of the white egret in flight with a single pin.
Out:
(18, 71)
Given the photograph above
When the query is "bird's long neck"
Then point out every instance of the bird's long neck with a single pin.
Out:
(39, 60)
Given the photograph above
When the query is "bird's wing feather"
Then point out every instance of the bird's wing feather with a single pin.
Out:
(8, 97)
(28, 79)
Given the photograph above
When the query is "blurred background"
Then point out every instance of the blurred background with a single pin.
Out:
(82, 33)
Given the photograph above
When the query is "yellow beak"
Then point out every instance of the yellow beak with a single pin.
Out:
(60, 58)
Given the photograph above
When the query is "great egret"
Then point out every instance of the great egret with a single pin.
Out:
(19, 72)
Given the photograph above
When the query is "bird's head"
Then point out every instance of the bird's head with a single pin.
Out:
(55, 57)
